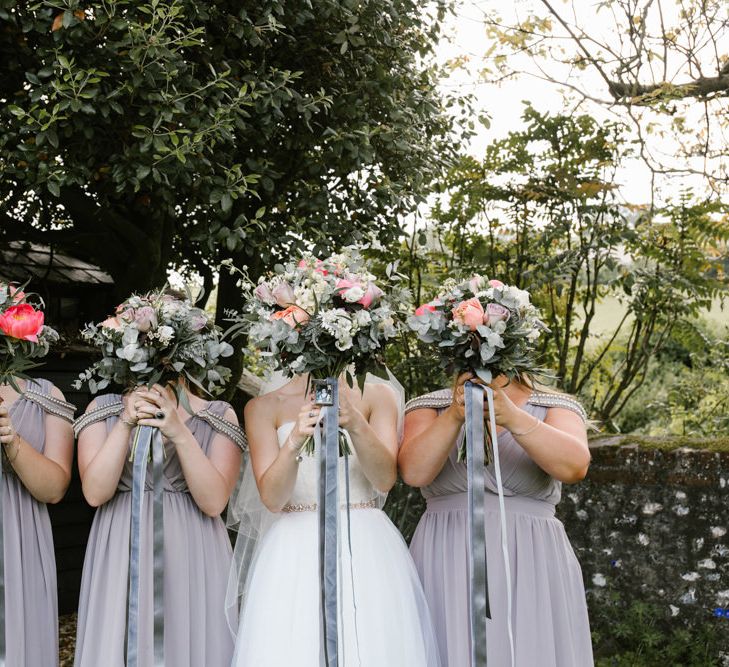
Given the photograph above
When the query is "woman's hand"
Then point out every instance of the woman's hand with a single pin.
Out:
(350, 417)
(506, 412)
(158, 407)
(457, 408)
(7, 430)
(304, 427)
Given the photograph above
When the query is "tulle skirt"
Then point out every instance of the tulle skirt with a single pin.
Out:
(384, 619)
(549, 613)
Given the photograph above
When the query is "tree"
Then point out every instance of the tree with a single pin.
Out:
(540, 211)
(660, 66)
(145, 134)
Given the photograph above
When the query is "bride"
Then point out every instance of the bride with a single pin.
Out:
(383, 617)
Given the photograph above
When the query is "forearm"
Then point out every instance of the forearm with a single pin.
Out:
(207, 486)
(377, 462)
(100, 479)
(45, 479)
(423, 455)
(561, 455)
(277, 483)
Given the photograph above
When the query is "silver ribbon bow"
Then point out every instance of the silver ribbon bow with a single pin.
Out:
(146, 437)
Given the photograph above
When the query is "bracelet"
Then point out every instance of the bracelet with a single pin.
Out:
(299, 456)
(537, 422)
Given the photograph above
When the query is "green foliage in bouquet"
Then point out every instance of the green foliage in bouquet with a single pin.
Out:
(24, 336)
(157, 338)
(483, 326)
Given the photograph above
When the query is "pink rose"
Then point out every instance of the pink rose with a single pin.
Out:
(145, 318)
(475, 284)
(23, 322)
(283, 293)
(470, 313)
(495, 312)
(263, 293)
(496, 283)
(112, 323)
(350, 290)
(303, 264)
(125, 314)
(198, 322)
(372, 293)
(426, 307)
(293, 316)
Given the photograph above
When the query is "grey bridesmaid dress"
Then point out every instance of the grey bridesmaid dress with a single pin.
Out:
(549, 611)
(197, 557)
(31, 597)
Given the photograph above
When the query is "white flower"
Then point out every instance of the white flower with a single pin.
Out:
(362, 318)
(165, 334)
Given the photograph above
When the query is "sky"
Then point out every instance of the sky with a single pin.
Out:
(503, 102)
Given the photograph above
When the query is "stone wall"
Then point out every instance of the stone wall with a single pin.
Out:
(650, 524)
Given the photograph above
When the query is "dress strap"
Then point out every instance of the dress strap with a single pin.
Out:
(50, 404)
(435, 400)
(98, 414)
(221, 425)
(549, 400)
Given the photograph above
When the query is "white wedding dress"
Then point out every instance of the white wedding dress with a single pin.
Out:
(384, 619)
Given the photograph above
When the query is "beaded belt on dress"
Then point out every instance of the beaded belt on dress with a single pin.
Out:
(311, 507)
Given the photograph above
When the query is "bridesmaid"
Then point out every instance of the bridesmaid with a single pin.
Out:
(202, 461)
(37, 452)
(543, 443)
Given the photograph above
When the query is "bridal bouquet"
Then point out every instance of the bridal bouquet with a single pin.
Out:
(323, 316)
(23, 334)
(157, 338)
(483, 326)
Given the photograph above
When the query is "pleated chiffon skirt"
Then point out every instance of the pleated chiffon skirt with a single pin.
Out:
(549, 611)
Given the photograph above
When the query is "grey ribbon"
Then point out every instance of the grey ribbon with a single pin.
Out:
(328, 528)
(146, 437)
(476, 470)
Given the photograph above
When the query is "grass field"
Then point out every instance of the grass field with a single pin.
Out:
(610, 311)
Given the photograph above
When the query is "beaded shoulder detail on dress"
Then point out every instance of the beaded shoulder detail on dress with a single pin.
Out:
(52, 405)
(549, 400)
(99, 414)
(435, 400)
(222, 425)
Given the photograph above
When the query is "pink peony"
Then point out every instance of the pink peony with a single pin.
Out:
(372, 293)
(496, 283)
(426, 307)
(145, 318)
(263, 293)
(293, 316)
(284, 294)
(23, 322)
(495, 312)
(470, 313)
(112, 323)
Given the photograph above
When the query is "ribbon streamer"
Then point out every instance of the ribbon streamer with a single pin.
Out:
(476, 470)
(146, 437)
(328, 528)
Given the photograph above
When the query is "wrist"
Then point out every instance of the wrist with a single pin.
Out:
(522, 423)
(453, 414)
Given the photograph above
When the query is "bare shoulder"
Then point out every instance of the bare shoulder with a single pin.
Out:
(379, 395)
(231, 416)
(259, 405)
(57, 393)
